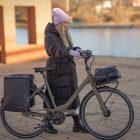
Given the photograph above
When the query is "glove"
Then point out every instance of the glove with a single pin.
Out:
(74, 53)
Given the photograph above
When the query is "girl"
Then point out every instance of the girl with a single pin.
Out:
(61, 70)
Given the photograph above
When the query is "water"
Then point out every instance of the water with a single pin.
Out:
(105, 42)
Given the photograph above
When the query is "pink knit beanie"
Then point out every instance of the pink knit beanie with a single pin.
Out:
(59, 16)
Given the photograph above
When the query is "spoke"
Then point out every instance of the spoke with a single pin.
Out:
(13, 121)
(121, 110)
(25, 123)
(108, 97)
(99, 119)
(111, 126)
(92, 110)
(117, 122)
(125, 115)
(98, 126)
(120, 105)
(95, 113)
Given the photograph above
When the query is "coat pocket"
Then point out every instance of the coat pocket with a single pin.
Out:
(64, 69)
(60, 81)
(52, 70)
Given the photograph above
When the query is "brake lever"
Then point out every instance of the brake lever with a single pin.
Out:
(85, 53)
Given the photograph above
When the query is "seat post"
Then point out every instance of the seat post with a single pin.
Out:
(44, 76)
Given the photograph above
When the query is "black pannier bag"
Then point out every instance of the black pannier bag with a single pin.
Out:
(106, 75)
(17, 91)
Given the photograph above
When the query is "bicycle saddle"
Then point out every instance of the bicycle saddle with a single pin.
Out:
(41, 69)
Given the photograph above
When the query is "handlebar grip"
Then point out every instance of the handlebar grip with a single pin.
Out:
(85, 53)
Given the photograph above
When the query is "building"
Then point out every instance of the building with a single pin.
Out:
(39, 14)
(136, 3)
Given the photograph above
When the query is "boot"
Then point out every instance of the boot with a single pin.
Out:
(50, 129)
(78, 126)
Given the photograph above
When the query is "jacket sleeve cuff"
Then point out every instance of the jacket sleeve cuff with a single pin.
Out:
(62, 52)
(65, 52)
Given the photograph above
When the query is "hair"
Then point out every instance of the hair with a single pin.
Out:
(65, 35)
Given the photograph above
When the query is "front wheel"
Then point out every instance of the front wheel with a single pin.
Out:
(112, 126)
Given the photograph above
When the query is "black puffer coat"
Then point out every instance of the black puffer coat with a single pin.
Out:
(61, 70)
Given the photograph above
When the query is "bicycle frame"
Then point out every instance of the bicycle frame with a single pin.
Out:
(44, 115)
(73, 97)
(88, 79)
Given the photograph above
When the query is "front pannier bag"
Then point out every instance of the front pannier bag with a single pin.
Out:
(17, 91)
(106, 75)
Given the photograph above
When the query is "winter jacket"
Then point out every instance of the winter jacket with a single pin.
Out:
(61, 70)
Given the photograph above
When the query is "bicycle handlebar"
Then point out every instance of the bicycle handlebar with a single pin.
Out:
(83, 53)
(86, 53)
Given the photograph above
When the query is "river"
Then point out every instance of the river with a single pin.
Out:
(124, 42)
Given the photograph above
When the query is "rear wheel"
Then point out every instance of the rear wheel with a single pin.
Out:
(120, 114)
(26, 124)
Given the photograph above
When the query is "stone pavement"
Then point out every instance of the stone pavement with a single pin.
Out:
(130, 83)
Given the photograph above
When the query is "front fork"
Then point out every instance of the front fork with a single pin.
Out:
(103, 107)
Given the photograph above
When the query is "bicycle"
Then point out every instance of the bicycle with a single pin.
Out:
(106, 112)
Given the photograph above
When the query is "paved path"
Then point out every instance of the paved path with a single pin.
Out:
(130, 83)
